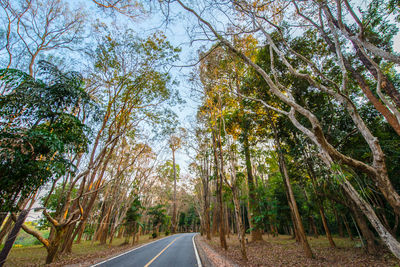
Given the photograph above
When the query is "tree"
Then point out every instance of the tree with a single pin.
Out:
(175, 142)
(132, 219)
(42, 126)
(130, 79)
(34, 27)
(158, 218)
(314, 129)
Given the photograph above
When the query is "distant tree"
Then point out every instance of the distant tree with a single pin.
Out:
(175, 142)
(132, 219)
(158, 218)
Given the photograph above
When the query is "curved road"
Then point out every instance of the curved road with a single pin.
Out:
(174, 251)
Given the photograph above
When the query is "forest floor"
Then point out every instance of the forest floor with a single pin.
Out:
(283, 251)
(83, 254)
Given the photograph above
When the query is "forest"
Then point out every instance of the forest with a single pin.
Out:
(268, 127)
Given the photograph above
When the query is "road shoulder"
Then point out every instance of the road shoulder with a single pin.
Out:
(208, 256)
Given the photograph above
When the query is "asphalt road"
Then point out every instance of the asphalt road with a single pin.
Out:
(174, 251)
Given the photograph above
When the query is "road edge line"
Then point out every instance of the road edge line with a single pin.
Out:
(195, 252)
(97, 264)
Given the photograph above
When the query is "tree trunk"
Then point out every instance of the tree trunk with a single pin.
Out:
(134, 233)
(367, 234)
(367, 210)
(320, 202)
(173, 220)
(256, 233)
(227, 228)
(67, 247)
(313, 226)
(326, 228)
(112, 233)
(218, 174)
(138, 235)
(206, 212)
(338, 221)
(346, 224)
(6, 229)
(215, 218)
(105, 228)
(286, 180)
(241, 231)
(3, 216)
(297, 219)
(12, 236)
(54, 244)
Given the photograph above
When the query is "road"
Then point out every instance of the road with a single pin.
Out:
(174, 251)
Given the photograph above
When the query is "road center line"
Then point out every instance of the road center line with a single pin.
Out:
(153, 259)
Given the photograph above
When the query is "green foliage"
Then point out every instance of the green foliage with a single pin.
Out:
(41, 124)
(133, 215)
(54, 203)
(379, 28)
(188, 219)
(158, 215)
(167, 172)
(136, 68)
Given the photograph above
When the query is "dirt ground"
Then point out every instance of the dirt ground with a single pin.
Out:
(283, 251)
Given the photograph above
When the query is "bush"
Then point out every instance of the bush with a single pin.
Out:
(167, 232)
(154, 235)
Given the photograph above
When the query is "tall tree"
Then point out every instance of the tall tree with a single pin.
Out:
(43, 124)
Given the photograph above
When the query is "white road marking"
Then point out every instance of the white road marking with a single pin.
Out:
(195, 251)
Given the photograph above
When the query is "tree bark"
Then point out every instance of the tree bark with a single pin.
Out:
(173, 220)
(313, 227)
(286, 180)
(206, 215)
(219, 195)
(12, 236)
(5, 229)
(326, 228)
(54, 244)
(297, 218)
(367, 234)
(338, 221)
(346, 224)
(256, 232)
(241, 231)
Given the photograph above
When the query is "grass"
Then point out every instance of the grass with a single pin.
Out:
(34, 255)
(24, 239)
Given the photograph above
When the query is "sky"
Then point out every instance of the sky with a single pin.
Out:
(396, 43)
